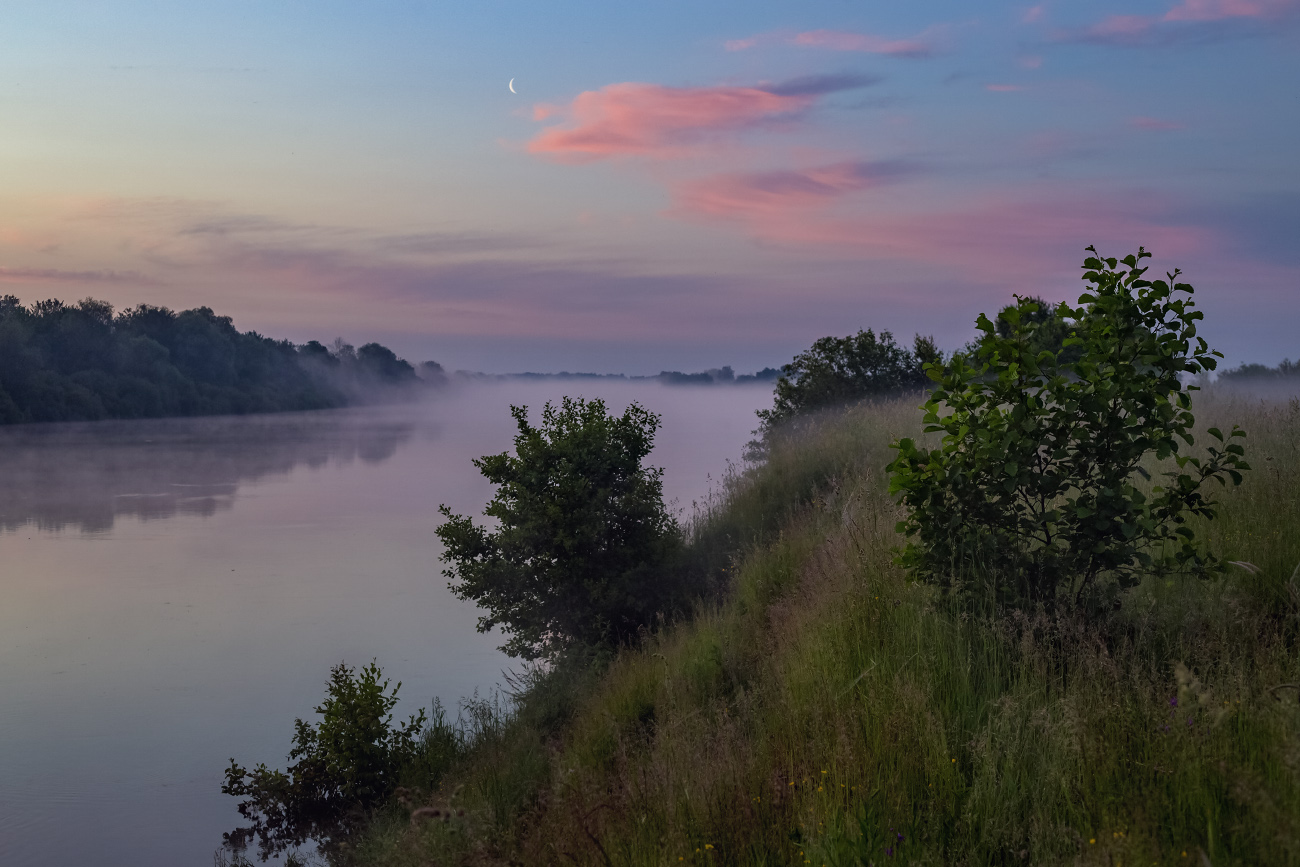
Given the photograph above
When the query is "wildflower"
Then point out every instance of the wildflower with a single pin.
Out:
(1092, 840)
(708, 845)
(1173, 702)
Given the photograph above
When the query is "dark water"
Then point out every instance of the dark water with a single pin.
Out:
(175, 592)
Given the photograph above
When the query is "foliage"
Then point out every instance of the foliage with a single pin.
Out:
(584, 543)
(345, 764)
(67, 362)
(830, 710)
(1033, 496)
(840, 370)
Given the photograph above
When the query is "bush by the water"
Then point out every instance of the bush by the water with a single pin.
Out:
(346, 763)
(1035, 494)
(583, 552)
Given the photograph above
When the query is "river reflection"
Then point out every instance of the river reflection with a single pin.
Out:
(87, 475)
(175, 593)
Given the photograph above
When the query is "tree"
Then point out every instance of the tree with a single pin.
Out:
(839, 370)
(343, 765)
(1033, 495)
(584, 543)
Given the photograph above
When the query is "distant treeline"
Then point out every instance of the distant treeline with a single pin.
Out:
(73, 362)
(1288, 369)
(713, 376)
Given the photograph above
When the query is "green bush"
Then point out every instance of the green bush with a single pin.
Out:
(1033, 495)
(341, 766)
(584, 549)
(840, 370)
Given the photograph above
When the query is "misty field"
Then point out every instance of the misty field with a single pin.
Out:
(827, 711)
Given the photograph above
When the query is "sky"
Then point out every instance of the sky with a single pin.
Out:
(673, 186)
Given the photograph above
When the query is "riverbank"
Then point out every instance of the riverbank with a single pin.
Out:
(828, 711)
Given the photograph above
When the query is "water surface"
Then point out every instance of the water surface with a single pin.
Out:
(175, 592)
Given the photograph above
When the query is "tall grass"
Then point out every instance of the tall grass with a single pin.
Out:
(825, 710)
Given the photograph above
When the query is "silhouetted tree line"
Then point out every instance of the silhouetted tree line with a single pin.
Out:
(71, 362)
(1288, 369)
(842, 370)
(715, 376)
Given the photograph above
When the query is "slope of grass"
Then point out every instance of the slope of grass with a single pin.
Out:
(828, 711)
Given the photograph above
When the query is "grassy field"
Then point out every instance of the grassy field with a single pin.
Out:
(827, 711)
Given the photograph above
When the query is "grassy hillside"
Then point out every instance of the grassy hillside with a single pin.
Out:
(826, 711)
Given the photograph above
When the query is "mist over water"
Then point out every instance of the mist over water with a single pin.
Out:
(176, 591)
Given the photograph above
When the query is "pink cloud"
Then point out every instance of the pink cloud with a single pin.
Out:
(1121, 27)
(1135, 28)
(1154, 123)
(1217, 10)
(649, 120)
(747, 195)
(1034, 13)
(802, 209)
(840, 40)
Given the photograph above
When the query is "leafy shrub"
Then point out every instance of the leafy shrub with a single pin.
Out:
(1033, 495)
(583, 548)
(840, 370)
(341, 766)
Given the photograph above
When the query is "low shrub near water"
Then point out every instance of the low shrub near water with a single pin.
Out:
(346, 763)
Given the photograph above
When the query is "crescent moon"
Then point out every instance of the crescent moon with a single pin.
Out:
(511, 85)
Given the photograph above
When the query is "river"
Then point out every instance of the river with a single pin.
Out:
(175, 592)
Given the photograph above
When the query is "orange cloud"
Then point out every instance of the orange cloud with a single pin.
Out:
(650, 120)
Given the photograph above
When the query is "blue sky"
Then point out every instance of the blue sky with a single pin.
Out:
(674, 185)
